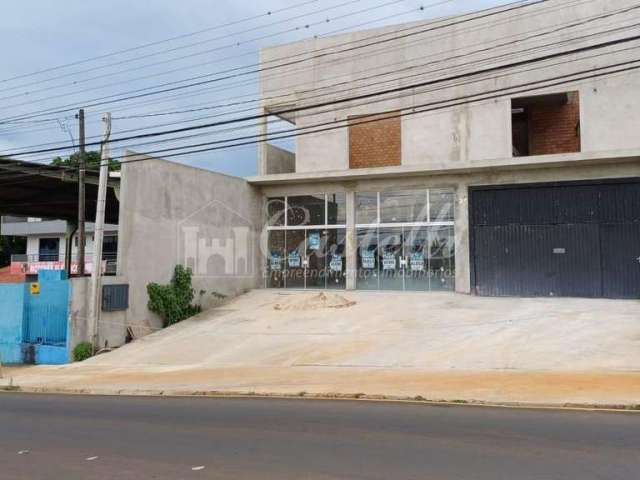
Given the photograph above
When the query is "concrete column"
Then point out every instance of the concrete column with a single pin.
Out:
(463, 280)
(263, 130)
(263, 246)
(351, 242)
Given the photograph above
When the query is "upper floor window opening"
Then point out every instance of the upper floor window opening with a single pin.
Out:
(546, 124)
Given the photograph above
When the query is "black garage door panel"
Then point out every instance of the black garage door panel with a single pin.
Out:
(542, 260)
(565, 239)
(537, 206)
(621, 260)
(620, 203)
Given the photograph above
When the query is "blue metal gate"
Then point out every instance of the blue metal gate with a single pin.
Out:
(46, 314)
(45, 324)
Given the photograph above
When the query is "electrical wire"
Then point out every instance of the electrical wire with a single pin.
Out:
(223, 47)
(228, 74)
(385, 99)
(435, 106)
(296, 109)
(535, 13)
(159, 42)
(354, 80)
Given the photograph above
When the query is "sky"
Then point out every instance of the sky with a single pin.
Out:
(42, 35)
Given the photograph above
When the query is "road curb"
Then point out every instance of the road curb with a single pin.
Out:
(417, 400)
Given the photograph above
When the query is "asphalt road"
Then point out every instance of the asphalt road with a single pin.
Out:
(77, 437)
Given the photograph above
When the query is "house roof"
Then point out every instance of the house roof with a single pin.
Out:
(7, 277)
(46, 191)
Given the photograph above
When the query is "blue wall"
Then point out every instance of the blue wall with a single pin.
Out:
(11, 317)
(35, 327)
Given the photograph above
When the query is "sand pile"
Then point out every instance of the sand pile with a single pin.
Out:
(303, 301)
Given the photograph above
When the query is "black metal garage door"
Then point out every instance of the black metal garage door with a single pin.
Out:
(565, 240)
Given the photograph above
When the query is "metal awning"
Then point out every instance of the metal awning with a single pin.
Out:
(45, 191)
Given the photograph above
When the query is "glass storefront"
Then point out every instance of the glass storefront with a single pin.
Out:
(406, 258)
(406, 240)
(307, 249)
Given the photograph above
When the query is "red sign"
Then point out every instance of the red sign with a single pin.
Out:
(32, 268)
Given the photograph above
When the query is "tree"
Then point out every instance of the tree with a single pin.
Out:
(92, 159)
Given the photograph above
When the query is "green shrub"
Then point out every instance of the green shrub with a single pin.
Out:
(82, 351)
(173, 302)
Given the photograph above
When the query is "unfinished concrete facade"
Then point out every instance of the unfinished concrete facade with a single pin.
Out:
(465, 91)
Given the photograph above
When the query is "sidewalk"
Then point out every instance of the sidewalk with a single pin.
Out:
(605, 390)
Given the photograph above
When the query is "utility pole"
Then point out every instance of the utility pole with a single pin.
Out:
(82, 166)
(96, 273)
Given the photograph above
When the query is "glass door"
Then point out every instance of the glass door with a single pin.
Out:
(295, 260)
(391, 259)
(275, 266)
(416, 254)
(368, 265)
(442, 258)
(316, 259)
(336, 261)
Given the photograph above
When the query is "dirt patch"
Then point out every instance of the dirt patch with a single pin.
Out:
(603, 389)
(314, 302)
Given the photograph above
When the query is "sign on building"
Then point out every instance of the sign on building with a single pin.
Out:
(389, 261)
(336, 263)
(368, 259)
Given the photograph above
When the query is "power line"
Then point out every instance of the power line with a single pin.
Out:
(297, 71)
(285, 111)
(305, 26)
(414, 112)
(351, 105)
(422, 108)
(235, 56)
(154, 75)
(173, 140)
(171, 39)
(274, 76)
(323, 88)
(223, 47)
(183, 147)
(342, 122)
(227, 87)
(516, 15)
(230, 75)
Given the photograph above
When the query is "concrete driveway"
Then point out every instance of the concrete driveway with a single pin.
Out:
(437, 331)
(400, 345)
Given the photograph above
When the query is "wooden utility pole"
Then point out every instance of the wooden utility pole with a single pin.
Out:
(96, 273)
(82, 167)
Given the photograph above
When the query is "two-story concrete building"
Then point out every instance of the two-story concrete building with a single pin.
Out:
(494, 153)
